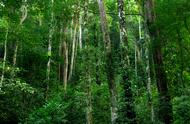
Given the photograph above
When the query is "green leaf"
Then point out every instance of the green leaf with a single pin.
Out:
(3, 23)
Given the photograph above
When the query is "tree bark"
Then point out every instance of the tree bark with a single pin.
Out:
(24, 11)
(165, 107)
(51, 30)
(60, 54)
(80, 36)
(149, 89)
(129, 112)
(89, 95)
(65, 73)
(73, 51)
(109, 62)
(97, 75)
(4, 59)
(182, 85)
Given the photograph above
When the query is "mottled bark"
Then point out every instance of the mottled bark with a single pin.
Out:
(165, 107)
(97, 75)
(109, 62)
(149, 89)
(89, 98)
(129, 112)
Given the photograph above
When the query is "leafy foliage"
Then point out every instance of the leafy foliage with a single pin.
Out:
(25, 97)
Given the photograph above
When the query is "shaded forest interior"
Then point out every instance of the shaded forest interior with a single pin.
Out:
(94, 62)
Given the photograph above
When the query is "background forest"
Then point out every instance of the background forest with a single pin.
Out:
(94, 61)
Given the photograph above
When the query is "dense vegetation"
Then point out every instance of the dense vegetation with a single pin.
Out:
(88, 61)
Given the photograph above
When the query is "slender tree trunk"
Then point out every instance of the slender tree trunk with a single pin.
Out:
(165, 107)
(51, 30)
(80, 36)
(63, 53)
(148, 71)
(73, 51)
(136, 65)
(181, 59)
(109, 62)
(129, 114)
(86, 60)
(15, 54)
(149, 91)
(88, 88)
(97, 75)
(65, 73)
(22, 19)
(60, 54)
(89, 97)
(4, 59)
(76, 50)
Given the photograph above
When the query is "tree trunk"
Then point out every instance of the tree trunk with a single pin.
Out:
(60, 54)
(15, 54)
(149, 91)
(165, 107)
(80, 36)
(109, 63)
(50, 48)
(97, 75)
(65, 73)
(86, 60)
(73, 51)
(89, 100)
(180, 40)
(129, 113)
(22, 19)
(4, 59)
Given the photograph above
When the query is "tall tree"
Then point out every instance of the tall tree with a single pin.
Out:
(148, 73)
(88, 67)
(63, 54)
(129, 112)
(74, 40)
(165, 107)
(51, 30)
(65, 71)
(4, 59)
(24, 14)
(109, 62)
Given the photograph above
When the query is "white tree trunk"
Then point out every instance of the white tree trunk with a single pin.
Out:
(73, 51)
(80, 36)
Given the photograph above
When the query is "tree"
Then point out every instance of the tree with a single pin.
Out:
(129, 103)
(165, 107)
(109, 61)
(4, 58)
(49, 53)
(23, 17)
